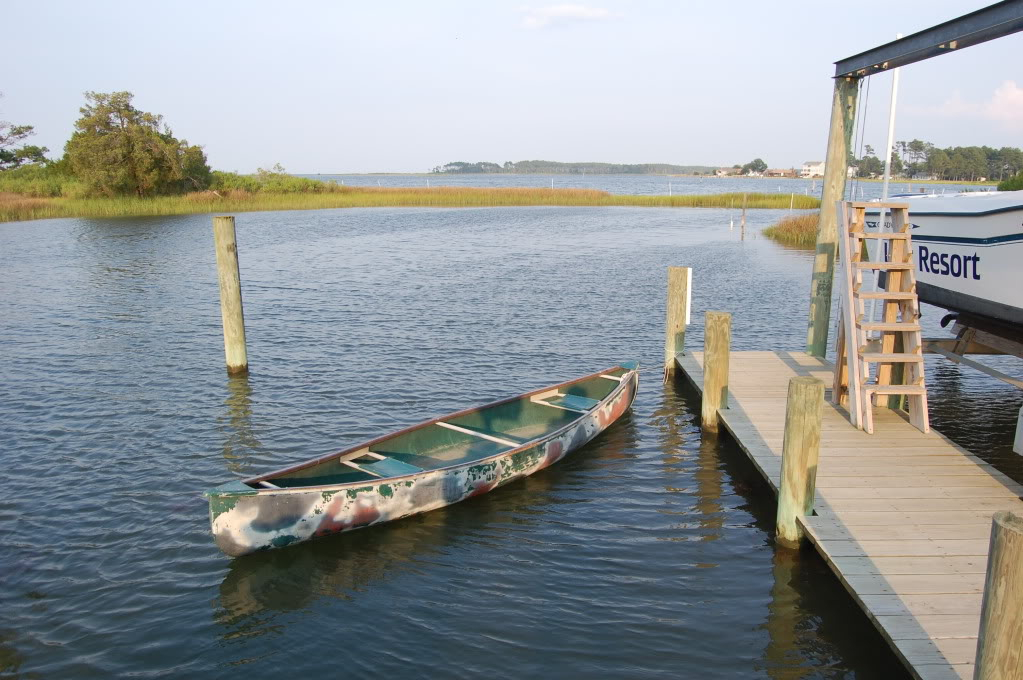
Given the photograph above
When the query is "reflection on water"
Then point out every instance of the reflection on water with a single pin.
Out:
(645, 554)
(240, 441)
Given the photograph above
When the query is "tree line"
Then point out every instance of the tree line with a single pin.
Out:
(558, 168)
(917, 158)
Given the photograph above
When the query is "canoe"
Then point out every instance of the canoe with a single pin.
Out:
(421, 468)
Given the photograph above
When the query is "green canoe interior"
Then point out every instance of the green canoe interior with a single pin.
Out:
(436, 446)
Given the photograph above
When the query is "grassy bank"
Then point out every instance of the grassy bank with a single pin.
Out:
(17, 207)
(797, 230)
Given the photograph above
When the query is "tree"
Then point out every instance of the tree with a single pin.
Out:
(12, 155)
(118, 149)
(755, 165)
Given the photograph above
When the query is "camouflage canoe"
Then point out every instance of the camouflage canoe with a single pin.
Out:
(424, 467)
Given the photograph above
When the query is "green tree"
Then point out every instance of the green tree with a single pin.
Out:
(1012, 184)
(755, 165)
(12, 151)
(118, 149)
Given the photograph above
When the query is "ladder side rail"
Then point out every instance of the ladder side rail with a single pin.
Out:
(919, 415)
(848, 298)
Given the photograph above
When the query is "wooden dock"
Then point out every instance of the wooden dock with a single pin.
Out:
(903, 518)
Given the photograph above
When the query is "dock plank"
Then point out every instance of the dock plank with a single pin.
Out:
(902, 518)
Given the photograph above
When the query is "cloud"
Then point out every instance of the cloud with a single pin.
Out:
(1005, 107)
(560, 15)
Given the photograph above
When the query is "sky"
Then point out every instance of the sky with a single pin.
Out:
(394, 86)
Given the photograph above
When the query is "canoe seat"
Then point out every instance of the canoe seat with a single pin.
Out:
(572, 402)
(383, 466)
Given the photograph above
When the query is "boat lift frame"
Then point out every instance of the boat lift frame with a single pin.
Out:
(995, 21)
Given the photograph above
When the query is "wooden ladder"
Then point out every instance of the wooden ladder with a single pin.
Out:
(897, 352)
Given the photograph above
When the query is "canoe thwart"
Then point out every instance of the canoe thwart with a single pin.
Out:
(384, 467)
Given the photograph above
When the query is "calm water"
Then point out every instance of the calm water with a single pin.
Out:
(647, 554)
(645, 184)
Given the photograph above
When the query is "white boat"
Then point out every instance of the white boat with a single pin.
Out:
(969, 252)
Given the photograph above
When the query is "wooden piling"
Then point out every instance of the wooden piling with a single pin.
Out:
(999, 651)
(679, 296)
(717, 340)
(230, 295)
(843, 112)
(804, 410)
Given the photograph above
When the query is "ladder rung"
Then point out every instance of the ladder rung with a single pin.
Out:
(883, 265)
(903, 235)
(886, 295)
(884, 326)
(881, 357)
(895, 389)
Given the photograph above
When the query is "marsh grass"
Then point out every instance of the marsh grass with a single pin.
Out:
(796, 230)
(16, 207)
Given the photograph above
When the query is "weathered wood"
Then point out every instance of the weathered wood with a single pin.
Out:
(903, 518)
(1000, 642)
(800, 452)
(679, 296)
(843, 111)
(717, 339)
(226, 245)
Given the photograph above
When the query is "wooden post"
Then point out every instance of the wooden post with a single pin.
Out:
(999, 653)
(680, 293)
(230, 295)
(717, 339)
(800, 450)
(843, 112)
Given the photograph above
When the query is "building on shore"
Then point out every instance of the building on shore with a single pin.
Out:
(812, 169)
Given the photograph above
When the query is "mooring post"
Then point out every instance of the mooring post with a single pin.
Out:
(680, 293)
(801, 445)
(717, 340)
(999, 652)
(843, 112)
(230, 294)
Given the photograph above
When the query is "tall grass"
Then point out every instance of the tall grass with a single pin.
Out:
(796, 230)
(16, 208)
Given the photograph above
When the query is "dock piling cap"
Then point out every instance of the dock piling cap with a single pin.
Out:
(1007, 519)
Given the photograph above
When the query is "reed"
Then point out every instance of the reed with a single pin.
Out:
(796, 230)
(17, 207)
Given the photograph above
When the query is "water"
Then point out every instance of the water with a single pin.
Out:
(647, 554)
(647, 184)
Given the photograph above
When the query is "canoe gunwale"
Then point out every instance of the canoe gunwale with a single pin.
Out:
(263, 491)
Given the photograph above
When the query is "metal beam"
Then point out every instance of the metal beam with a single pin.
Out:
(996, 21)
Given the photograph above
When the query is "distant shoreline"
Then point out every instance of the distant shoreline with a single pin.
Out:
(894, 180)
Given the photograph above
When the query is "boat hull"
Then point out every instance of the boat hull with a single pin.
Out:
(245, 520)
(967, 250)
